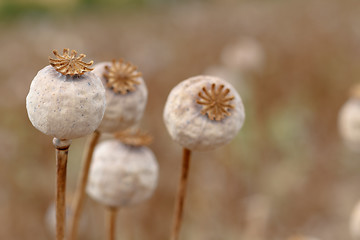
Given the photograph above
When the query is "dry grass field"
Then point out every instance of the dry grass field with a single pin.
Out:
(287, 172)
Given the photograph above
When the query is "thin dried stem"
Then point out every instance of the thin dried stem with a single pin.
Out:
(78, 200)
(62, 149)
(180, 199)
(111, 222)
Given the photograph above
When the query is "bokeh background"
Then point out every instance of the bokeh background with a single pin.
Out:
(286, 173)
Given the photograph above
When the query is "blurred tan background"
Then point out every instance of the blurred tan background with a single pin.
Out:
(287, 172)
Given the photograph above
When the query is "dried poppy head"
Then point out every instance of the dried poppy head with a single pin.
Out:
(122, 174)
(65, 100)
(126, 95)
(203, 112)
(349, 120)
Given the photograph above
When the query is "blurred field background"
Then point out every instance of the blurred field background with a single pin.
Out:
(287, 172)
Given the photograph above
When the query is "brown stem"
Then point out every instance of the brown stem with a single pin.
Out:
(111, 222)
(79, 195)
(62, 148)
(180, 199)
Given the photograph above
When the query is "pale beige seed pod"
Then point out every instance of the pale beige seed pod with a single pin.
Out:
(122, 174)
(126, 95)
(65, 100)
(203, 112)
(349, 120)
(355, 222)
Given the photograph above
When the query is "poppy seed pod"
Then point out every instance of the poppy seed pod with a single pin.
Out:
(349, 120)
(65, 100)
(203, 112)
(122, 174)
(126, 95)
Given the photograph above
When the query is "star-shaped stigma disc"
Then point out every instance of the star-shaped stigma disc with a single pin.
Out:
(216, 102)
(121, 76)
(70, 64)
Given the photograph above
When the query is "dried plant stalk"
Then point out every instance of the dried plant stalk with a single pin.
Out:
(62, 148)
(111, 222)
(78, 200)
(180, 199)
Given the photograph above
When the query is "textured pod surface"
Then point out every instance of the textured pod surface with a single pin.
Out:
(122, 111)
(121, 175)
(349, 123)
(65, 107)
(193, 130)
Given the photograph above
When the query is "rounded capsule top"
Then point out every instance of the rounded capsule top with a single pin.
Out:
(66, 106)
(126, 95)
(203, 112)
(123, 173)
